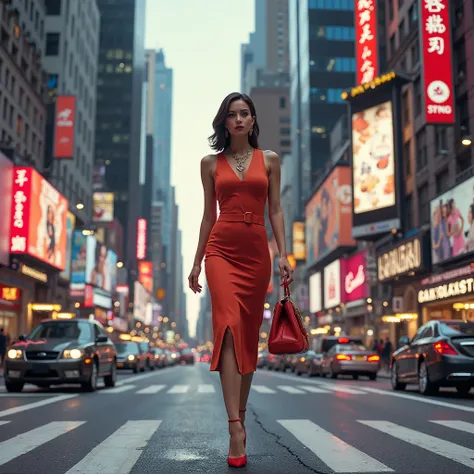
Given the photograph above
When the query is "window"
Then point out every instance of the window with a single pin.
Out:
(407, 157)
(442, 181)
(423, 199)
(421, 152)
(332, 64)
(282, 102)
(52, 44)
(415, 54)
(285, 143)
(402, 31)
(285, 131)
(346, 5)
(285, 120)
(392, 44)
(418, 100)
(441, 136)
(413, 16)
(406, 108)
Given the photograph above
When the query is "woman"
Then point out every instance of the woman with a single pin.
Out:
(240, 177)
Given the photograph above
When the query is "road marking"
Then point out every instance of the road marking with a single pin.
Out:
(456, 425)
(40, 403)
(151, 389)
(206, 388)
(179, 389)
(4, 423)
(290, 389)
(111, 391)
(335, 453)
(437, 446)
(262, 389)
(120, 451)
(26, 442)
(27, 395)
(312, 389)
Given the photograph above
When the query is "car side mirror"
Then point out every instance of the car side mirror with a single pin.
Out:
(101, 339)
(404, 341)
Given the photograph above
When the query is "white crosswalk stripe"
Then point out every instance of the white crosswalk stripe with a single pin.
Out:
(120, 451)
(151, 389)
(262, 389)
(290, 389)
(342, 389)
(430, 443)
(335, 453)
(206, 388)
(26, 442)
(313, 389)
(456, 425)
(122, 388)
(179, 389)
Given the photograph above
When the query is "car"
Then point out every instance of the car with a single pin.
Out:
(62, 351)
(187, 357)
(130, 356)
(441, 354)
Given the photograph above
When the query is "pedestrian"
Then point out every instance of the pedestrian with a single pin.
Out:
(386, 353)
(240, 178)
(3, 345)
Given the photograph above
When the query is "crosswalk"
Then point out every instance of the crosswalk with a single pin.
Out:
(119, 450)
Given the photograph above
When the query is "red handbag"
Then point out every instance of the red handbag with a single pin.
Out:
(287, 334)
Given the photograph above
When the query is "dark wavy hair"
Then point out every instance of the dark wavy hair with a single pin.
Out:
(218, 141)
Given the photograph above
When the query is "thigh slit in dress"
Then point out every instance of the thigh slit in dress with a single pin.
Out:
(237, 263)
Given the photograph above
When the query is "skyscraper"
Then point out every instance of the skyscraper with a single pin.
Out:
(119, 109)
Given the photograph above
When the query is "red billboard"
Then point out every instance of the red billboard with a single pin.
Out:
(145, 275)
(438, 89)
(6, 180)
(141, 238)
(354, 277)
(38, 218)
(64, 127)
(366, 40)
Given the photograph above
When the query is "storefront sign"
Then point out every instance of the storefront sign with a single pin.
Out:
(437, 67)
(401, 260)
(447, 290)
(9, 293)
(355, 278)
(366, 40)
(457, 273)
(33, 273)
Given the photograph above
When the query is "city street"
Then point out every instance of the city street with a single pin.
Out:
(173, 420)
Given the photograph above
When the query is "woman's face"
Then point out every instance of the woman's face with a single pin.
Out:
(239, 120)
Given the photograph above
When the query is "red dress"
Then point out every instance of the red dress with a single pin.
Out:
(237, 261)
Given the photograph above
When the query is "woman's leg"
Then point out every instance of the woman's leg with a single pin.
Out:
(244, 393)
(231, 386)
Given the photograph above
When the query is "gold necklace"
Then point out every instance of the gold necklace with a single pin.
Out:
(241, 160)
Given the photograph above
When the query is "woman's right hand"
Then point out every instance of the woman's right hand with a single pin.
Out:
(194, 279)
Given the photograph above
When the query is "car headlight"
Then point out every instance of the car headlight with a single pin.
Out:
(131, 357)
(73, 354)
(15, 354)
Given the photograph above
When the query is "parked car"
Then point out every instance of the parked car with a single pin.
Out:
(308, 363)
(440, 355)
(129, 356)
(62, 351)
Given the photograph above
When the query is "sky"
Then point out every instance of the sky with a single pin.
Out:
(201, 40)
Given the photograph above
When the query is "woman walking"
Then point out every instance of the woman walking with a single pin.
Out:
(241, 178)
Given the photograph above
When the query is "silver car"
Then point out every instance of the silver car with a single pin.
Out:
(351, 359)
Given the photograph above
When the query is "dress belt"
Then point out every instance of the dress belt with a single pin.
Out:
(247, 217)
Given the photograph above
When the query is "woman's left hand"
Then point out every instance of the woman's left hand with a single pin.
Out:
(286, 271)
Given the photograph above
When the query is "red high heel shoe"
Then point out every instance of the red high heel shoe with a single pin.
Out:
(242, 460)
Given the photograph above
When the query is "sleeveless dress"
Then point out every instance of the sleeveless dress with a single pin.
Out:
(237, 263)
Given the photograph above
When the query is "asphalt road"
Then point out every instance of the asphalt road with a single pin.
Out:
(173, 421)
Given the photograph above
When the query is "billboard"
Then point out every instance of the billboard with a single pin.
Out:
(452, 223)
(354, 276)
(103, 207)
(6, 181)
(366, 40)
(332, 285)
(64, 127)
(70, 224)
(141, 238)
(299, 245)
(315, 302)
(329, 216)
(145, 275)
(78, 257)
(38, 218)
(101, 265)
(437, 66)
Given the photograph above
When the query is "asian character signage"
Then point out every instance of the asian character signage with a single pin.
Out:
(64, 127)
(366, 40)
(38, 218)
(141, 238)
(6, 180)
(437, 66)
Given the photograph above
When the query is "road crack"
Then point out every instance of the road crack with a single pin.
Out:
(280, 443)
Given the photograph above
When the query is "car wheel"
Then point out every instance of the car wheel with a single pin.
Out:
(135, 369)
(14, 387)
(373, 376)
(91, 384)
(109, 380)
(396, 385)
(425, 386)
(355, 377)
(463, 389)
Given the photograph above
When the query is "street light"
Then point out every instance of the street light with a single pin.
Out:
(80, 206)
(119, 264)
(466, 141)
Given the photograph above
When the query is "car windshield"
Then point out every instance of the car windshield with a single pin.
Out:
(74, 330)
(127, 348)
(457, 328)
(186, 351)
(352, 347)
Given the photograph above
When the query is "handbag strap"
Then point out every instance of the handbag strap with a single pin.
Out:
(286, 288)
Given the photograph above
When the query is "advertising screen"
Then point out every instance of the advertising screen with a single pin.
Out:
(141, 298)
(373, 164)
(452, 223)
(299, 245)
(355, 278)
(101, 265)
(315, 303)
(64, 127)
(145, 274)
(141, 238)
(38, 218)
(70, 223)
(329, 216)
(78, 257)
(332, 284)
(6, 181)
(103, 207)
